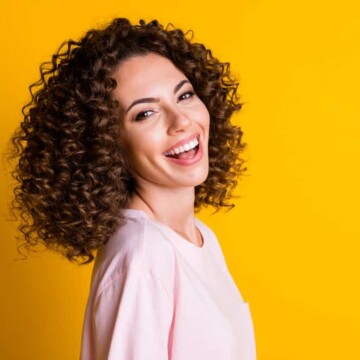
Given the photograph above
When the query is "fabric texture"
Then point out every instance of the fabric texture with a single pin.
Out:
(156, 296)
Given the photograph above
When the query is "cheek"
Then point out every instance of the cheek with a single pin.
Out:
(130, 149)
(205, 118)
(139, 150)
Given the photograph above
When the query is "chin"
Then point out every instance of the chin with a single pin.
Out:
(199, 178)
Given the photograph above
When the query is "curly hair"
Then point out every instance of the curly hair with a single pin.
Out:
(71, 177)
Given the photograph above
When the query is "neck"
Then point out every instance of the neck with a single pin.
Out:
(173, 207)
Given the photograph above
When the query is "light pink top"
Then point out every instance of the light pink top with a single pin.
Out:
(156, 296)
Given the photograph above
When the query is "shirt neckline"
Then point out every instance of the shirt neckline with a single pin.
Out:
(184, 242)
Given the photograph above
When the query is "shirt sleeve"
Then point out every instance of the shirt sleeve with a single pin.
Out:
(132, 318)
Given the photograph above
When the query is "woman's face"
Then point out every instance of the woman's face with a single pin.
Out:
(165, 125)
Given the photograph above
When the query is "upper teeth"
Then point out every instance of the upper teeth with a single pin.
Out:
(186, 147)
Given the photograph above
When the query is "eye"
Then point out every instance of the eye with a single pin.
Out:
(143, 115)
(187, 95)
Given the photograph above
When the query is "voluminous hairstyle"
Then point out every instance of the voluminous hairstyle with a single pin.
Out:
(72, 180)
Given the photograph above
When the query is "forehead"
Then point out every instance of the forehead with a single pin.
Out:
(145, 76)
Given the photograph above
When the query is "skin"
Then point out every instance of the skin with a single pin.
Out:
(150, 127)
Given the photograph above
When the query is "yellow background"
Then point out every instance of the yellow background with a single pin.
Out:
(292, 242)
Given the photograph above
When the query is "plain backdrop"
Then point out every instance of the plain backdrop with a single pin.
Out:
(292, 241)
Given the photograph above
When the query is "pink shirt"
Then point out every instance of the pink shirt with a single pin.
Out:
(156, 296)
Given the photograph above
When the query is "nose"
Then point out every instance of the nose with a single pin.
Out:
(178, 121)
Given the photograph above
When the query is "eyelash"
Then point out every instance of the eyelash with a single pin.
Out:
(140, 116)
(191, 93)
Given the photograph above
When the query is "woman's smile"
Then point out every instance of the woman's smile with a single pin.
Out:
(186, 152)
(184, 145)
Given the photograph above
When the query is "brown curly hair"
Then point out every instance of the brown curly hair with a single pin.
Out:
(71, 177)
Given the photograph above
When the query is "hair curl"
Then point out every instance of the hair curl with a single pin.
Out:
(71, 178)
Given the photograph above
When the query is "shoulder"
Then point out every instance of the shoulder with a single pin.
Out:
(139, 245)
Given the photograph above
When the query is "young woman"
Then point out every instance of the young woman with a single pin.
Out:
(127, 134)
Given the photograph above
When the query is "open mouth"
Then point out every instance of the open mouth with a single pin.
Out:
(186, 154)
(185, 151)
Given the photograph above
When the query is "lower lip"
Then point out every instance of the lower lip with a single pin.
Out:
(198, 156)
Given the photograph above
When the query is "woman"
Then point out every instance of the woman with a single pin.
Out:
(128, 134)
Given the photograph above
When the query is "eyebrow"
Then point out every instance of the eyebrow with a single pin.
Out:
(153, 100)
